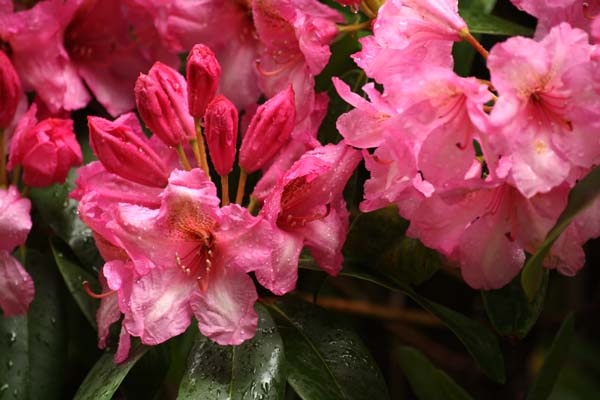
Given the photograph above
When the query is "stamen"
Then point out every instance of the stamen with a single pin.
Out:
(279, 70)
(88, 290)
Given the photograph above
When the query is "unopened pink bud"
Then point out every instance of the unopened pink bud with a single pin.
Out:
(221, 129)
(203, 72)
(268, 131)
(123, 149)
(46, 150)
(161, 98)
(10, 91)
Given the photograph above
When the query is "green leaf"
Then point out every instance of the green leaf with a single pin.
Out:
(32, 346)
(14, 357)
(60, 213)
(479, 22)
(105, 377)
(47, 324)
(581, 197)
(74, 276)
(252, 370)
(509, 309)
(324, 359)
(427, 381)
(375, 239)
(559, 352)
(485, 6)
(479, 341)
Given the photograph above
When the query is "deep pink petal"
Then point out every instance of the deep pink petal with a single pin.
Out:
(15, 221)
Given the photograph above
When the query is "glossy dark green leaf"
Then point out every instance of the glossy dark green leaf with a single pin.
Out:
(581, 197)
(544, 383)
(46, 320)
(325, 360)
(479, 22)
(32, 346)
(509, 309)
(14, 358)
(479, 341)
(74, 276)
(252, 370)
(427, 381)
(376, 240)
(60, 213)
(104, 378)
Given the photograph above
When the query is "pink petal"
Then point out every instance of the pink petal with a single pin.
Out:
(15, 221)
(159, 305)
(16, 286)
(225, 312)
(281, 273)
(124, 346)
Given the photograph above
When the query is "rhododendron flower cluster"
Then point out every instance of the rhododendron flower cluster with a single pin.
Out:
(481, 169)
(173, 166)
(172, 248)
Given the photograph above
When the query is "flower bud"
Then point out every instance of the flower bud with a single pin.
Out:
(269, 130)
(221, 129)
(203, 72)
(10, 91)
(161, 98)
(123, 149)
(46, 150)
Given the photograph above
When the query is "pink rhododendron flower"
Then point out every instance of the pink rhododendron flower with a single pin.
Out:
(578, 13)
(46, 150)
(294, 40)
(188, 257)
(57, 45)
(16, 286)
(548, 110)
(409, 34)
(306, 208)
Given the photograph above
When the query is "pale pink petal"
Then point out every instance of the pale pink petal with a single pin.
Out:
(159, 305)
(244, 240)
(16, 286)
(15, 221)
(488, 258)
(108, 313)
(325, 238)
(225, 312)
(281, 273)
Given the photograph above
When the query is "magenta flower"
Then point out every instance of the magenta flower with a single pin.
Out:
(46, 150)
(548, 111)
(16, 286)
(306, 208)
